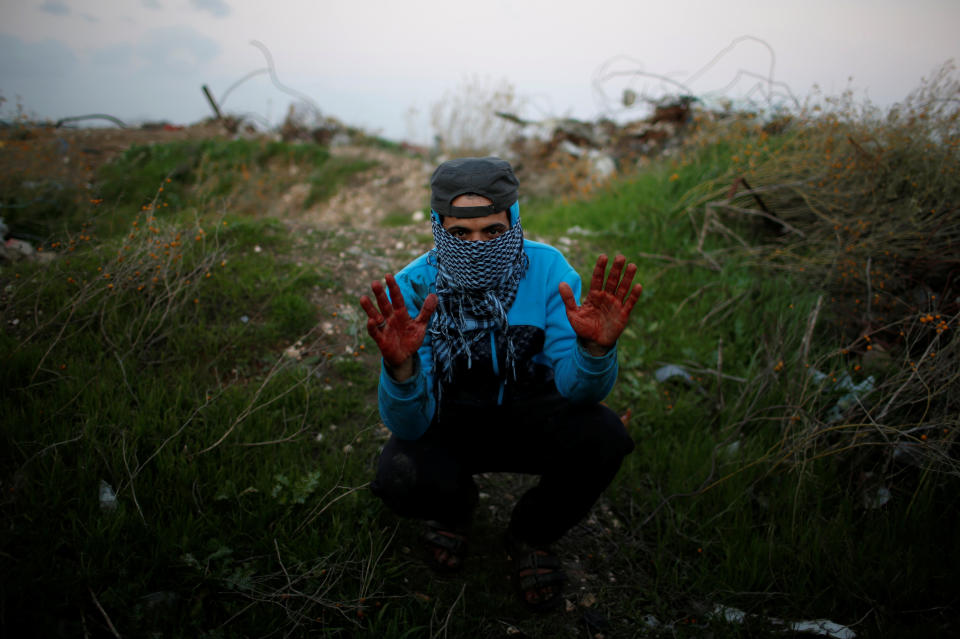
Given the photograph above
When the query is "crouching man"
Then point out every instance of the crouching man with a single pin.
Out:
(490, 365)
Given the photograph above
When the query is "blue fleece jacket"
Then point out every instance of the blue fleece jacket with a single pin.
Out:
(549, 357)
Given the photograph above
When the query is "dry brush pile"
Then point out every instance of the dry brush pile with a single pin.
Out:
(864, 206)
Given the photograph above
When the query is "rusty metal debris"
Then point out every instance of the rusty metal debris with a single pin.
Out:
(93, 116)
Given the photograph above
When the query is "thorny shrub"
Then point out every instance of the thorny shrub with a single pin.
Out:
(465, 121)
(864, 205)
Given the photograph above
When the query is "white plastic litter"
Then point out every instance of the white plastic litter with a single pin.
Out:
(843, 383)
(651, 622)
(672, 371)
(877, 497)
(108, 498)
(821, 627)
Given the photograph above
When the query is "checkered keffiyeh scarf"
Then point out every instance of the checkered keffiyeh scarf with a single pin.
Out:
(476, 285)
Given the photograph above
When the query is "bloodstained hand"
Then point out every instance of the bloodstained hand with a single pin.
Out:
(601, 318)
(397, 335)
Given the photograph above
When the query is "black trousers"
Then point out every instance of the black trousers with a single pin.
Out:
(575, 449)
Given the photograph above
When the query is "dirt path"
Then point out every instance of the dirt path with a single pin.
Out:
(398, 185)
(375, 224)
(369, 228)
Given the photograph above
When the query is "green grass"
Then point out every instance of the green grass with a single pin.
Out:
(330, 176)
(150, 358)
(768, 526)
(240, 469)
(396, 219)
(176, 181)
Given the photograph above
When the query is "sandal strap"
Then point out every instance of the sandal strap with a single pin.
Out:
(447, 540)
(438, 537)
(539, 581)
(543, 574)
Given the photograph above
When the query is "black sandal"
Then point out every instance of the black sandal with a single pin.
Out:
(440, 538)
(540, 578)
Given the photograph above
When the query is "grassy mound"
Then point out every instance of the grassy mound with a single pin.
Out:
(189, 418)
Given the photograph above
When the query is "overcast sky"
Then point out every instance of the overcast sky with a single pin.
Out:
(370, 62)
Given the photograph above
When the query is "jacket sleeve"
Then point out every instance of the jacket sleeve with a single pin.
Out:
(579, 376)
(407, 407)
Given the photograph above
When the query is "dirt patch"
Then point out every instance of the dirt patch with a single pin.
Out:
(398, 185)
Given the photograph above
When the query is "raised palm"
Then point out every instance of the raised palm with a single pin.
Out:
(604, 313)
(398, 336)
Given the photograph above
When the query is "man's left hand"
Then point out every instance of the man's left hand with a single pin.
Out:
(600, 320)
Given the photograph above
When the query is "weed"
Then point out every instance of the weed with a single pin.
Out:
(330, 176)
(861, 205)
(751, 472)
(465, 121)
(187, 376)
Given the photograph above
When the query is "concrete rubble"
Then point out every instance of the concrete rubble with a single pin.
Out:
(599, 149)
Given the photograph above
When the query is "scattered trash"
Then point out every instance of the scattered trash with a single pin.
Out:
(108, 498)
(14, 250)
(295, 351)
(672, 371)
(843, 382)
(821, 627)
(734, 615)
(876, 498)
(602, 165)
(244, 319)
(909, 453)
(732, 448)
(600, 148)
(873, 492)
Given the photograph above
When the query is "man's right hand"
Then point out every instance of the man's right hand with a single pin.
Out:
(397, 335)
